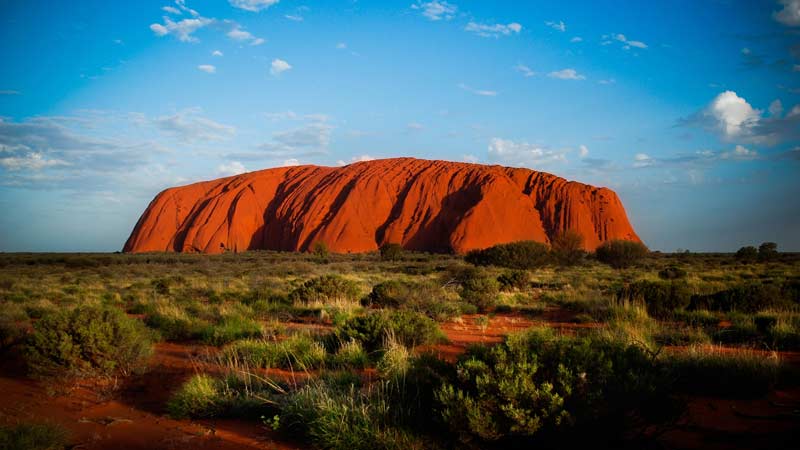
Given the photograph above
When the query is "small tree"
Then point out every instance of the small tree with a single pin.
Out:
(567, 247)
(767, 251)
(320, 250)
(747, 253)
(620, 253)
(391, 252)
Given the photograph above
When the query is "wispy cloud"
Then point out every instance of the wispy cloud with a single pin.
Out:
(9, 92)
(231, 168)
(189, 126)
(526, 71)
(495, 30)
(789, 15)
(207, 68)
(183, 30)
(483, 92)
(436, 10)
(566, 74)
(253, 5)
(524, 154)
(559, 26)
(626, 43)
(238, 34)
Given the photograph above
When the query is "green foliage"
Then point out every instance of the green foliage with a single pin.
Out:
(33, 436)
(324, 289)
(747, 297)
(391, 252)
(231, 328)
(767, 251)
(298, 352)
(537, 382)
(478, 288)
(661, 298)
(88, 340)
(567, 247)
(372, 329)
(747, 254)
(514, 279)
(351, 354)
(426, 298)
(198, 397)
(320, 250)
(621, 253)
(514, 255)
(672, 273)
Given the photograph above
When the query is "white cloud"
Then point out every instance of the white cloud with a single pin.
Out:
(279, 66)
(524, 70)
(355, 159)
(566, 74)
(627, 43)
(583, 151)
(523, 153)
(734, 116)
(576, 39)
(171, 10)
(182, 29)
(643, 160)
(557, 25)
(790, 14)
(482, 92)
(775, 108)
(216, 53)
(436, 10)
(30, 161)
(231, 168)
(607, 81)
(207, 68)
(291, 162)
(188, 126)
(341, 46)
(739, 153)
(237, 34)
(470, 159)
(495, 30)
(252, 5)
(294, 18)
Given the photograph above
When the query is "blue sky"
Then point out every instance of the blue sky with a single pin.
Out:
(687, 109)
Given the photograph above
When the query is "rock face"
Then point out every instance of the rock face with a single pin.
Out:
(434, 206)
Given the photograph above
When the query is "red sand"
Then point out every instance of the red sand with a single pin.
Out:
(423, 205)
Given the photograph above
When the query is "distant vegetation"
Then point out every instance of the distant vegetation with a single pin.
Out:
(349, 351)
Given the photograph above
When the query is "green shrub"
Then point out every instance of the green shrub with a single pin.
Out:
(567, 247)
(620, 253)
(767, 251)
(514, 279)
(391, 252)
(537, 382)
(33, 436)
(514, 255)
(88, 340)
(372, 329)
(298, 352)
(671, 273)
(200, 396)
(324, 289)
(351, 354)
(747, 254)
(749, 297)
(661, 298)
(478, 288)
(231, 328)
(426, 298)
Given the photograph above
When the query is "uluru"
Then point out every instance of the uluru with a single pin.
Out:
(425, 205)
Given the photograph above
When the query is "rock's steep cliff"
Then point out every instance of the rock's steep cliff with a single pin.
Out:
(421, 204)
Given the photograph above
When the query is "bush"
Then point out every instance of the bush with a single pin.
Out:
(672, 273)
(567, 247)
(231, 328)
(747, 254)
(661, 298)
(407, 327)
(514, 279)
(351, 354)
(320, 250)
(389, 294)
(391, 252)
(748, 297)
(325, 289)
(33, 436)
(478, 288)
(537, 382)
(514, 255)
(620, 253)
(88, 340)
(298, 352)
(426, 298)
(198, 397)
(767, 251)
